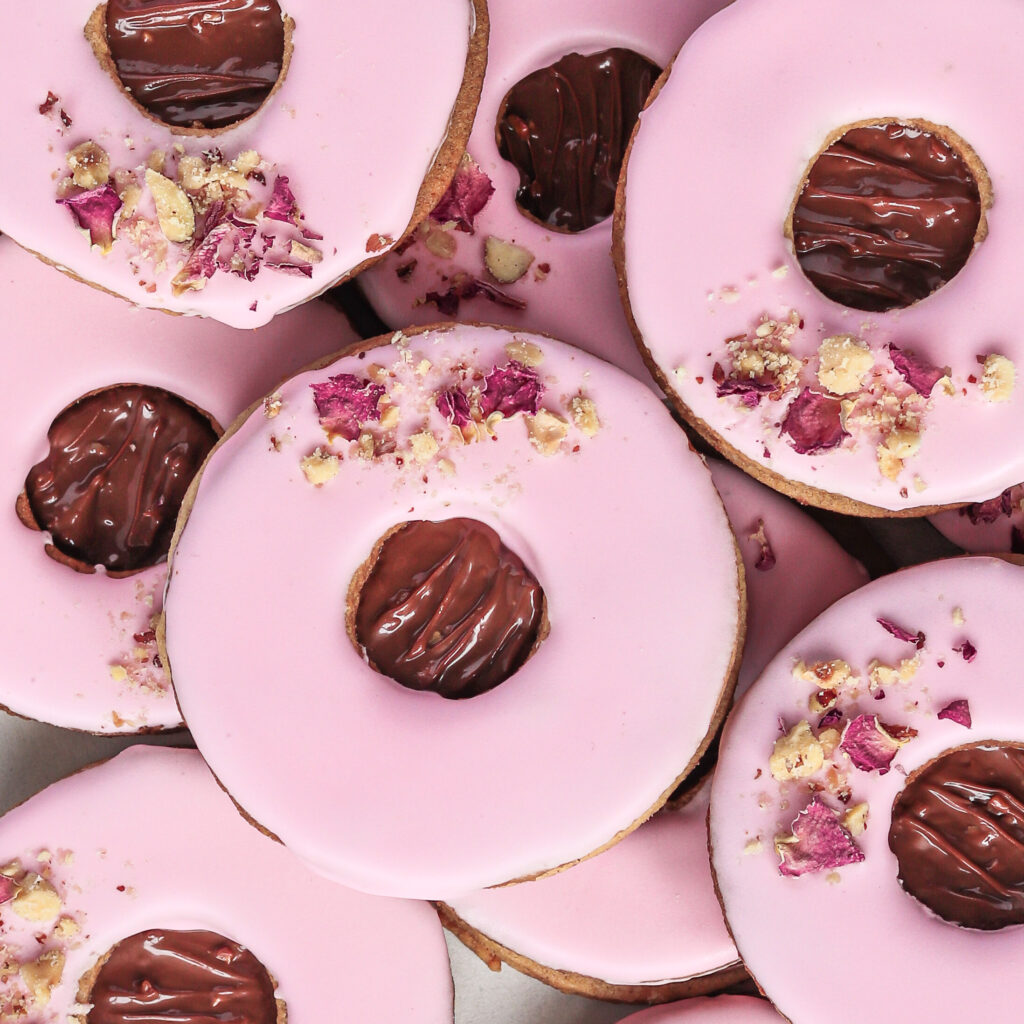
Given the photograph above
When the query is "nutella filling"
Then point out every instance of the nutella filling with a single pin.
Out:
(447, 607)
(887, 214)
(566, 127)
(119, 464)
(197, 63)
(958, 835)
(194, 977)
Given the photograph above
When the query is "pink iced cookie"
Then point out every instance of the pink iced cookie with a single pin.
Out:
(641, 921)
(809, 842)
(839, 401)
(987, 526)
(79, 648)
(113, 851)
(721, 1010)
(561, 458)
(254, 219)
(569, 289)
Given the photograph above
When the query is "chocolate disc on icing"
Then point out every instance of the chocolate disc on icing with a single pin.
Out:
(448, 607)
(958, 834)
(566, 128)
(119, 464)
(197, 62)
(888, 213)
(187, 976)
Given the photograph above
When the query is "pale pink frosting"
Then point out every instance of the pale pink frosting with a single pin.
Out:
(704, 247)
(125, 855)
(645, 911)
(577, 300)
(720, 1010)
(429, 796)
(351, 130)
(65, 633)
(900, 961)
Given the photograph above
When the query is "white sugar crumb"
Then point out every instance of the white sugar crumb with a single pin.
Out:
(780, 272)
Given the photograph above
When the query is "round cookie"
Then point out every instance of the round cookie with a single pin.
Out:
(857, 409)
(720, 1010)
(568, 289)
(244, 220)
(816, 762)
(79, 648)
(111, 854)
(562, 458)
(986, 526)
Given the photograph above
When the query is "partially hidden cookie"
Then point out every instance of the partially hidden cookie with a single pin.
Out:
(720, 1010)
(454, 634)
(108, 413)
(868, 799)
(987, 527)
(231, 159)
(820, 285)
(641, 922)
(522, 237)
(115, 906)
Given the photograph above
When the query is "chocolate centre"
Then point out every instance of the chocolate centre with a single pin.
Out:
(197, 63)
(192, 977)
(566, 127)
(119, 464)
(888, 214)
(447, 607)
(958, 835)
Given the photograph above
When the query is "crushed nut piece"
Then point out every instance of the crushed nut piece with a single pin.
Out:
(998, 380)
(43, 975)
(525, 352)
(506, 262)
(753, 846)
(390, 417)
(272, 405)
(365, 445)
(881, 675)
(843, 362)
(66, 927)
(833, 675)
(446, 467)
(546, 430)
(584, 415)
(173, 208)
(320, 466)
(958, 616)
(829, 740)
(90, 165)
(36, 900)
(855, 820)
(423, 445)
(305, 253)
(797, 754)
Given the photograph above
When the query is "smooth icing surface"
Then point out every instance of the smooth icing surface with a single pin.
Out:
(353, 139)
(293, 720)
(706, 257)
(119, 844)
(720, 1010)
(69, 650)
(993, 525)
(645, 911)
(577, 299)
(782, 923)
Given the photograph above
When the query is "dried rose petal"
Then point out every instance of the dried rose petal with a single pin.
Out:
(813, 422)
(968, 650)
(510, 389)
(467, 195)
(290, 266)
(95, 211)
(957, 711)
(872, 746)
(454, 406)
(344, 402)
(766, 557)
(917, 372)
(8, 888)
(819, 843)
(991, 510)
(917, 639)
(830, 717)
(281, 205)
(465, 286)
(749, 391)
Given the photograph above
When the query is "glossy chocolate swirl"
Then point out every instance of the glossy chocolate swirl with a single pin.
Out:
(888, 214)
(192, 977)
(958, 835)
(195, 63)
(447, 607)
(119, 464)
(566, 127)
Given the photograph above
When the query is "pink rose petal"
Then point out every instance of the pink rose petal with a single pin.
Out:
(967, 650)
(813, 423)
(8, 887)
(281, 205)
(822, 843)
(344, 403)
(510, 389)
(467, 195)
(917, 639)
(453, 405)
(465, 286)
(957, 711)
(991, 510)
(95, 211)
(750, 391)
(870, 746)
(921, 375)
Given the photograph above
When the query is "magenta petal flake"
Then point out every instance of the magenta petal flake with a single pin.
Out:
(465, 286)
(917, 372)
(957, 711)
(750, 392)
(813, 423)
(870, 747)
(467, 195)
(510, 389)
(95, 211)
(917, 639)
(8, 888)
(967, 651)
(344, 403)
(281, 205)
(991, 510)
(819, 843)
(453, 405)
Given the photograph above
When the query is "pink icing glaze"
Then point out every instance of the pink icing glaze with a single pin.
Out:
(125, 856)
(354, 139)
(578, 299)
(64, 632)
(429, 796)
(853, 917)
(720, 213)
(984, 537)
(720, 1010)
(645, 911)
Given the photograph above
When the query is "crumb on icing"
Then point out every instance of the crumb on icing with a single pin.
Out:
(797, 754)
(546, 430)
(320, 466)
(505, 261)
(998, 379)
(843, 363)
